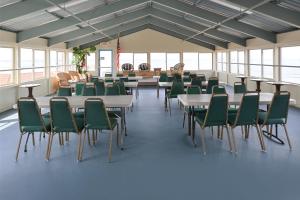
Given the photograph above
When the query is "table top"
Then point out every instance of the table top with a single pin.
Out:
(126, 84)
(117, 78)
(242, 76)
(169, 84)
(30, 85)
(233, 99)
(259, 79)
(78, 101)
(278, 83)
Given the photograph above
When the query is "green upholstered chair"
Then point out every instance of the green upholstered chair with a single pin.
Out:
(177, 77)
(94, 79)
(218, 89)
(78, 88)
(108, 78)
(100, 88)
(216, 115)
(202, 77)
(97, 119)
(239, 88)
(121, 87)
(30, 121)
(193, 75)
(211, 82)
(186, 79)
(64, 121)
(112, 90)
(186, 73)
(246, 115)
(176, 89)
(277, 113)
(64, 91)
(192, 90)
(88, 90)
(196, 82)
(163, 77)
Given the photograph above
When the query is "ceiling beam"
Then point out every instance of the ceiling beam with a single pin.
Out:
(186, 23)
(72, 35)
(71, 21)
(287, 16)
(187, 33)
(23, 8)
(216, 19)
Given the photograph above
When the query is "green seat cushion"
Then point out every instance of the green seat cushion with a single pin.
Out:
(37, 128)
(262, 116)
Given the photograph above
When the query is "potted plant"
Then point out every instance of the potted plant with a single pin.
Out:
(79, 58)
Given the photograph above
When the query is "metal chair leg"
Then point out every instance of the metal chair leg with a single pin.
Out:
(82, 145)
(261, 139)
(25, 149)
(229, 139)
(233, 140)
(110, 146)
(169, 100)
(18, 147)
(50, 145)
(203, 141)
(33, 140)
(183, 120)
(287, 136)
(79, 147)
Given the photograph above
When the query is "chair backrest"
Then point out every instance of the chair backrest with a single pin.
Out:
(78, 88)
(239, 87)
(193, 75)
(94, 79)
(64, 91)
(186, 79)
(248, 110)
(218, 89)
(196, 82)
(186, 73)
(100, 88)
(163, 77)
(88, 90)
(177, 88)
(121, 87)
(217, 111)
(177, 77)
(112, 90)
(279, 107)
(202, 77)
(211, 82)
(62, 119)
(30, 118)
(95, 114)
(194, 89)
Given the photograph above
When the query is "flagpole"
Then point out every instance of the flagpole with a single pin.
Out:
(118, 54)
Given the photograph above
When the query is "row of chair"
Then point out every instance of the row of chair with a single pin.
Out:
(62, 120)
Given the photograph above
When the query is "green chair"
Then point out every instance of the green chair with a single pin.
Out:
(192, 90)
(218, 89)
(239, 88)
(246, 115)
(64, 92)
(112, 90)
(186, 79)
(176, 89)
(216, 115)
(97, 119)
(177, 77)
(196, 82)
(186, 73)
(193, 75)
(88, 90)
(121, 87)
(94, 79)
(163, 77)
(211, 82)
(30, 121)
(202, 77)
(100, 88)
(78, 88)
(64, 121)
(277, 114)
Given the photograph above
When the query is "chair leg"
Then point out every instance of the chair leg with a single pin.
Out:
(229, 139)
(287, 136)
(33, 140)
(59, 139)
(40, 137)
(25, 149)
(47, 150)
(82, 145)
(169, 100)
(94, 137)
(79, 147)
(203, 141)
(62, 138)
(260, 136)
(233, 140)
(50, 145)
(183, 120)
(18, 147)
(110, 146)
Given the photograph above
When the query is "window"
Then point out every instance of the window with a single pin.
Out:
(6, 66)
(205, 61)
(158, 60)
(172, 59)
(57, 62)
(237, 62)
(26, 65)
(126, 58)
(190, 61)
(39, 64)
(290, 61)
(221, 61)
(60, 61)
(71, 66)
(53, 63)
(139, 58)
(91, 62)
(261, 63)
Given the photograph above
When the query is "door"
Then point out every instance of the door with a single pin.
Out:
(105, 62)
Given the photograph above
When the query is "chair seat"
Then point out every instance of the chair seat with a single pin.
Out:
(38, 128)
(79, 122)
(262, 116)
(113, 122)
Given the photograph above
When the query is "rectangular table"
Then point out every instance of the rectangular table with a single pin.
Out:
(130, 78)
(120, 101)
(193, 100)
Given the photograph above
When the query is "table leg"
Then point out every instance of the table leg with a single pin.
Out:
(243, 81)
(193, 126)
(30, 92)
(157, 91)
(277, 88)
(258, 86)
(189, 121)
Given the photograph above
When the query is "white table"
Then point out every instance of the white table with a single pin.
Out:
(119, 101)
(193, 100)
(130, 78)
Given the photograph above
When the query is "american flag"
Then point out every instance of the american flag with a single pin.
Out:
(118, 54)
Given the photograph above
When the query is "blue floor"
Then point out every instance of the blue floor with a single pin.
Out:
(159, 162)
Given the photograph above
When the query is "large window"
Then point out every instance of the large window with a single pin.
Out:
(139, 58)
(57, 62)
(172, 59)
(190, 61)
(39, 64)
(237, 62)
(126, 58)
(290, 61)
(26, 65)
(91, 62)
(261, 63)
(71, 66)
(205, 61)
(222, 61)
(6, 66)
(158, 60)
(60, 61)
